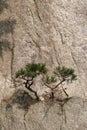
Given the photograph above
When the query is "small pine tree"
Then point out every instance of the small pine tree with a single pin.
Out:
(49, 81)
(60, 75)
(63, 74)
(29, 72)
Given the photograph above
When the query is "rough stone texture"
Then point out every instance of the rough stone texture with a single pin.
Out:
(43, 116)
(6, 49)
(49, 31)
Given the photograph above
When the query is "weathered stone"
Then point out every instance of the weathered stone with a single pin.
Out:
(48, 31)
(44, 116)
(53, 32)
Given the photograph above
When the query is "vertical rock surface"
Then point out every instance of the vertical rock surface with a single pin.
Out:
(44, 116)
(53, 32)
(49, 31)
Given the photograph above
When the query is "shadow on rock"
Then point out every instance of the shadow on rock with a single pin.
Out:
(4, 45)
(3, 5)
(7, 26)
(22, 99)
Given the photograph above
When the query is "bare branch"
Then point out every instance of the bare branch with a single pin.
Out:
(28, 85)
(59, 83)
(47, 85)
(65, 91)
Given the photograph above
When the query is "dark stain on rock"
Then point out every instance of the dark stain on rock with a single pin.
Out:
(4, 46)
(22, 99)
(3, 5)
(7, 26)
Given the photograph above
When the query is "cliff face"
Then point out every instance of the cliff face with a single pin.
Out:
(43, 116)
(48, 31)
(53, 32)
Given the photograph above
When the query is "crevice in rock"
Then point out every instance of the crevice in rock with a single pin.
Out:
(64, 119)
(56, 55)
(34, 23)
(74, 60)
(24, 25)
(25, 120)
(12, 54)
(61, 36)
(77, 67)
(12, 48)
(60, 33)
(37, 9)
(63, 111)
(58, 59)
(12, 57)
(35, 43)
(48, 107)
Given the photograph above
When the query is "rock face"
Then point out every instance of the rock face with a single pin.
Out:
(48, 31)
(16, 115)
(52, 32)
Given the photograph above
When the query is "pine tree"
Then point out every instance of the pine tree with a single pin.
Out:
(29, 73)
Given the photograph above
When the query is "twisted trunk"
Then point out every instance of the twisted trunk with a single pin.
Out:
(28, 86)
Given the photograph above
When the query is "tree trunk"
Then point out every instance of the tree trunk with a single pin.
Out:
(28, 86)
(52, 95)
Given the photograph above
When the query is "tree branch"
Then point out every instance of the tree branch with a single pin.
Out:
(28, 86)
(65, 91)
(59, 83)
(47, 85)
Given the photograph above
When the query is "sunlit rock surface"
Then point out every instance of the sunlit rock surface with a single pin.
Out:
(48, 31)
(22, 112)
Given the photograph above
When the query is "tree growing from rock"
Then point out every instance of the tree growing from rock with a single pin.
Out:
(61, 75)
(29, 73)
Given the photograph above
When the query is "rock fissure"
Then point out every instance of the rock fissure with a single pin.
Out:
(37, 9)
(33, 41)
(52, 32)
